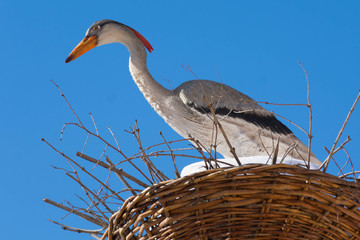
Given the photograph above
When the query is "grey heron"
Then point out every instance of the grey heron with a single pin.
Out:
(250, 128)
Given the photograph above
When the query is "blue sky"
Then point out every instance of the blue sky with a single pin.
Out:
(253, 45)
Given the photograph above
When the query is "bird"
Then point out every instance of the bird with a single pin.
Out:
(197, 108)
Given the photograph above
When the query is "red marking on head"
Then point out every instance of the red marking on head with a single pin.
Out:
(142, 39)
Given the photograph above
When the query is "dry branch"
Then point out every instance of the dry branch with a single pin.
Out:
(310, 136)
(78, 230)
(177, 174)
(121, 172)
(88, 218)
(327, 160)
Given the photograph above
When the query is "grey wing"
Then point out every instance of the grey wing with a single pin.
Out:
(227, 101)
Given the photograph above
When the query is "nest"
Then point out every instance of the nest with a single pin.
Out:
(240, 202)
(248, 202)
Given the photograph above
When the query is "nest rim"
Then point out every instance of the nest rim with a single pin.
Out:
(252, 201)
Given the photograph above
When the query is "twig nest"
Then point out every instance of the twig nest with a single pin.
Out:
(257, 202)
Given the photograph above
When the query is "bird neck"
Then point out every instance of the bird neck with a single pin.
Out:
(153, 92)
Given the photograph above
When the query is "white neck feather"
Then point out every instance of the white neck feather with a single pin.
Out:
(153, 92)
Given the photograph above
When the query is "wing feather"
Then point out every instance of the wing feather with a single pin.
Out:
(227, 101)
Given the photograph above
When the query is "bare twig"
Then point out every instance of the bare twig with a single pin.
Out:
(145, 157)
(112, 134)
(177, 174)
(91, 219)
(214, 137)
(276, 151)
(342, 145)
(87, 138)
(216, 121)
(331, 153)
(296, 125)
(200, 148)
(111, 146)
(351, 163)
(69, 105)
(103, 152)
(77, 179)
(83, 169)
(232, 149)
(188, 68)
(288, 150)
(62, 132)
(283, 104)
(88, 192)
(120, 176)
(162, 143)
(310, 136)
(78, 230)
(93, 120)
(327, 150)
(112, 168)
(264, 147)
(350, 173)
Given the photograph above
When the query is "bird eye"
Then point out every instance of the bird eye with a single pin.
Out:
(96, 28)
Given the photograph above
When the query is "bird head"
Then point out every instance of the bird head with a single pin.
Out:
(104, 32)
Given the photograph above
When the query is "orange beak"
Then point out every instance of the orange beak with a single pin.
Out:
(85, 45)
